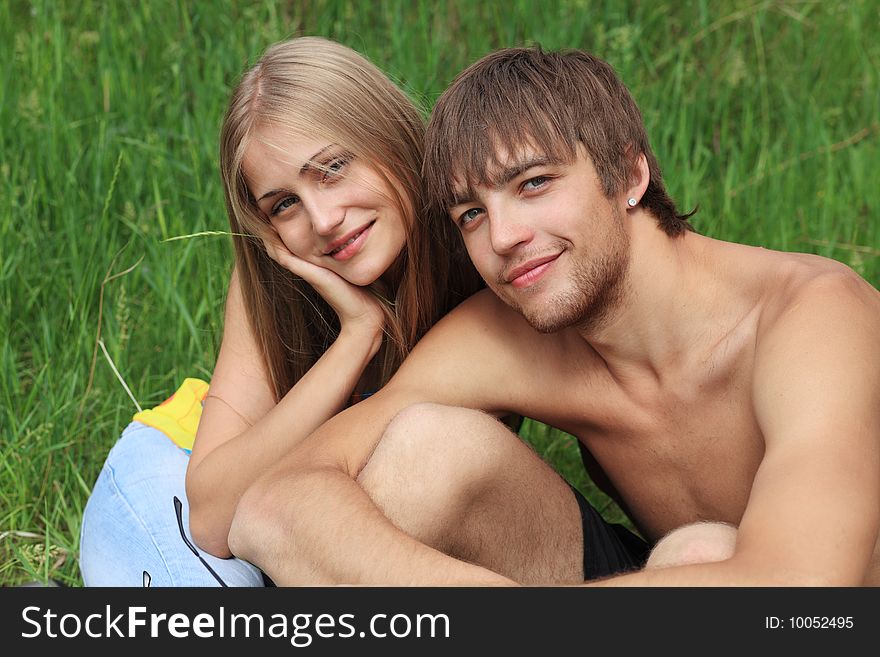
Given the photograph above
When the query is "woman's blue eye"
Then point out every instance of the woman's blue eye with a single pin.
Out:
(333, 169)
(283, 204)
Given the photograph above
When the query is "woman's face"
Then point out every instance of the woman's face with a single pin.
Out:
(329, 208)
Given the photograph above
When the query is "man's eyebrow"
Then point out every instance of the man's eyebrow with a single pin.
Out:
(516, 169)
(460, 198)
(304, 169)
(504, 176)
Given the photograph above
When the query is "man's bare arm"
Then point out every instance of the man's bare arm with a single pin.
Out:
(814, 509)
(309, 522)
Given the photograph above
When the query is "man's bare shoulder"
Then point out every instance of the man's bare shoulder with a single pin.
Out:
(801, 285)
(486, 318)
(481, 344)
(820, 321)
(486, 304)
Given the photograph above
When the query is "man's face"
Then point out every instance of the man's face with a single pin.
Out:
(546, 239)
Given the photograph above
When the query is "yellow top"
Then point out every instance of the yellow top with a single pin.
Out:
(178, 416)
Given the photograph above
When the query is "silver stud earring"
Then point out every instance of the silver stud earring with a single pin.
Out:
(632, 202)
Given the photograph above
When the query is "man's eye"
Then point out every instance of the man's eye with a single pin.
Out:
(468, 216)
(283, 204)
(535, 183)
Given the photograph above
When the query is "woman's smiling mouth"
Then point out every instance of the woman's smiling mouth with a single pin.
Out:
(347, 246)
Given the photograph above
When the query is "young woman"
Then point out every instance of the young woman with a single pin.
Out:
(336, 278)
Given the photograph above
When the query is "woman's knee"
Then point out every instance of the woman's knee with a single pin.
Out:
(131, 525)
(117, 543)
(700, 542)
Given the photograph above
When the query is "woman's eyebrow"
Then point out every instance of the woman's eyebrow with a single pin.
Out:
(304, 169)
(308, 165)
(273, 192)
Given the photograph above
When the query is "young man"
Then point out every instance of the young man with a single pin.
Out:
(706, 380)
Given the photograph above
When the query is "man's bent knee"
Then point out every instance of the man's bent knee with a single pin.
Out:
(700, 542)
(433, 444)
(432, 462)
(252, 523)
(420, 424)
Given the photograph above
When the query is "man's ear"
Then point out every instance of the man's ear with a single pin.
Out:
(639, 177)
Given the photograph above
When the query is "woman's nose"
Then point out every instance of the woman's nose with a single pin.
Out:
(326, 216)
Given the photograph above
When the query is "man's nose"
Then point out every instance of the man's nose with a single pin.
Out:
(508, 227)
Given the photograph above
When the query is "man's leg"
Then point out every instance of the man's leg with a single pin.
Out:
(460, 481)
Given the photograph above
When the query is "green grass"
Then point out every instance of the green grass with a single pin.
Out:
(764, 114)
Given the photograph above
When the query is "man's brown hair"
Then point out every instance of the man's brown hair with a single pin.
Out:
(550, 101)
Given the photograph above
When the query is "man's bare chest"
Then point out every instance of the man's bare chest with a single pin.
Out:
(671, 456)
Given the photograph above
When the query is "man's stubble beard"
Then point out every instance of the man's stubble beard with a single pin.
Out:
(595, 289)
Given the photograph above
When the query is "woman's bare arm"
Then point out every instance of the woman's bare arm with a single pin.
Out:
(243, 431)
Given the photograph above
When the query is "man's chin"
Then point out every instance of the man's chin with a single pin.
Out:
(549, 324)
(547, 315)
(552, 317)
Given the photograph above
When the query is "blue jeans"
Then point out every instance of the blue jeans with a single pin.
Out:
(130, 526)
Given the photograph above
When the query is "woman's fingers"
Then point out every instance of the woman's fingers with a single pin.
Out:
(318, 277)
(351, 303)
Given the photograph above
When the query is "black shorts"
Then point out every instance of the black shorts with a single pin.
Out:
(608, 548)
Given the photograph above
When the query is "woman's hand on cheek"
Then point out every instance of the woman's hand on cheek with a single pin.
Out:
(360, 313)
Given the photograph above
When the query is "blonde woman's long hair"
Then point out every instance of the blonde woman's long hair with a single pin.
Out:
(316, 87)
